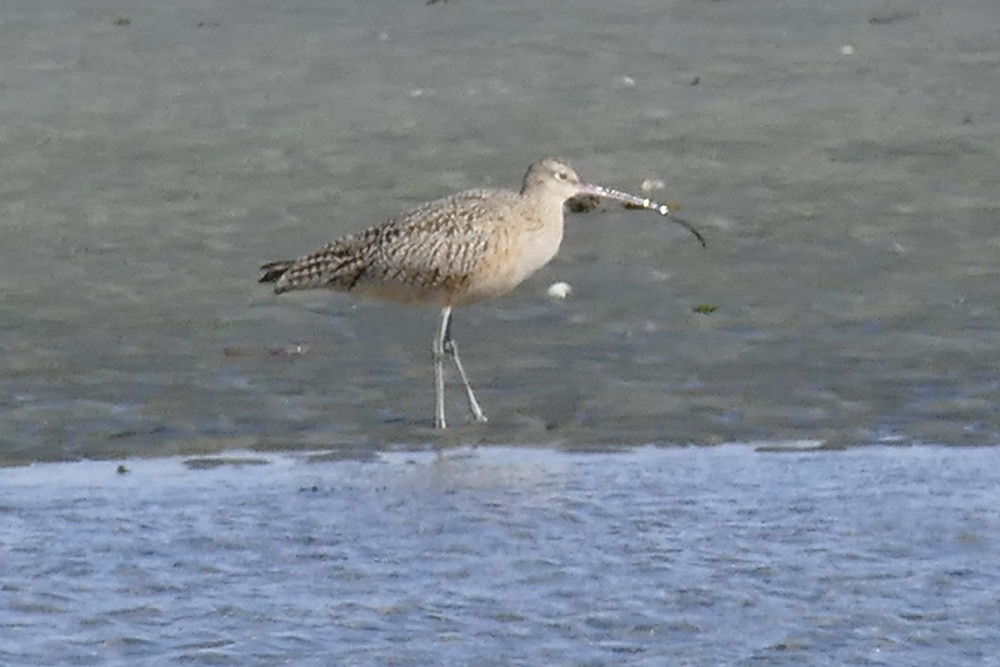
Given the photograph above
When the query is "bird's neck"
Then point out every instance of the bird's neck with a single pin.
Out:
(542, 211)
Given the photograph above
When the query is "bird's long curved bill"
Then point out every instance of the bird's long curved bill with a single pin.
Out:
(641, 202)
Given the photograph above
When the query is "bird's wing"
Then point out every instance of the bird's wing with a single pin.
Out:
(441, 239)
(433, 244)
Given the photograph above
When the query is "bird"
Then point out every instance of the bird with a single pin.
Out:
(451, 252)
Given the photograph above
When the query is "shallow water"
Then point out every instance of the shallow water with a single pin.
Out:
(155, 155)
(506, 556)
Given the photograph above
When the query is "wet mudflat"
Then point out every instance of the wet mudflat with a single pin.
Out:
(507, 556)
(842, 161)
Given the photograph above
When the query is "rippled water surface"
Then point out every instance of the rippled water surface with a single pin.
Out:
(507, 556)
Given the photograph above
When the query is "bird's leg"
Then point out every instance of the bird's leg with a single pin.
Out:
(451, 348)
(437, 348)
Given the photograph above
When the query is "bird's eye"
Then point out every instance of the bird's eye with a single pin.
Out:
(562, 175)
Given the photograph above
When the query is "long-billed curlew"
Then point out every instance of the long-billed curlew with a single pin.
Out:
(450, 252)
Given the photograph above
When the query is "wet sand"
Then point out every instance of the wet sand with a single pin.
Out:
(841, 159)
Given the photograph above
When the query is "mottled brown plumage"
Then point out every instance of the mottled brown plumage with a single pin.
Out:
(451, 252)
(448, 252)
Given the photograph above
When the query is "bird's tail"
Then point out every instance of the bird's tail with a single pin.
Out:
(274, 270)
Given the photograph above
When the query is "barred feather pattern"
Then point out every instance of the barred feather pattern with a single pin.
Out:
(443, 252)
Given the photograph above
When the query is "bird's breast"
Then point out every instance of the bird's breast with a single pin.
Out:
(512, 258)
